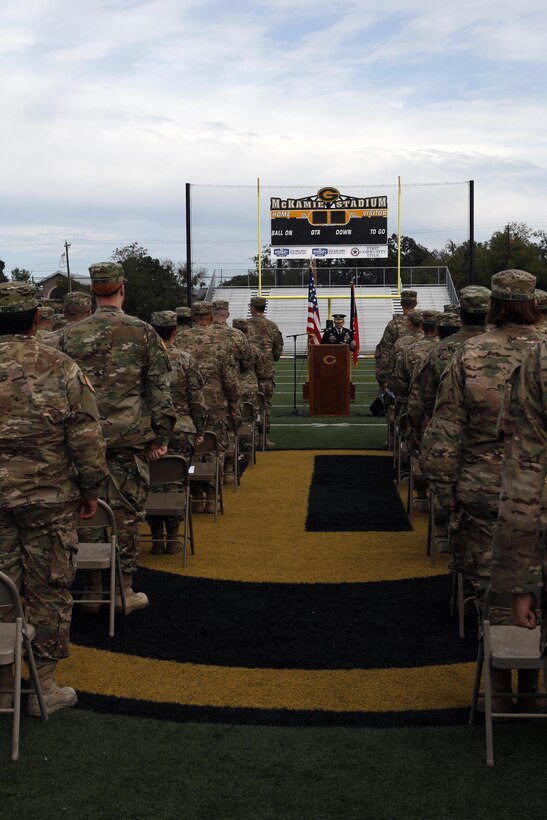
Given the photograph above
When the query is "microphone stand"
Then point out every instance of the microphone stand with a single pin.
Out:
(294, 337)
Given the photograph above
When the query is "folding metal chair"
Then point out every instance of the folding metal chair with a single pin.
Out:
(262, 419)
(209, 471)
(168, 470)
(13, 637)
(100, 556)
(232, 451)
(503, 647)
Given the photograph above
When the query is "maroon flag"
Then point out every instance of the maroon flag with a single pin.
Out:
(354, 325)
(313, 327)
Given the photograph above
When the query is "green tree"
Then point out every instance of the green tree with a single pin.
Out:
(151, 284)
(21, 275)
(3, 277)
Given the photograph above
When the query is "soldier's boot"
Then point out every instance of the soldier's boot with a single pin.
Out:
(528, 684)
(156, 531)
(133, 600)
(210, 502)
(229, 474)
(55, 697)
(270, 445)
(172, 543)
(6, 683)
(198, 503)
(93, 588)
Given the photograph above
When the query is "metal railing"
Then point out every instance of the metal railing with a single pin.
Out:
(335, 277)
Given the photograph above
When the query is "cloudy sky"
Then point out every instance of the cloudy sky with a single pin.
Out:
(110, 106)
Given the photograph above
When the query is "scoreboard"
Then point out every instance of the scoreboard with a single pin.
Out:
(328, 224)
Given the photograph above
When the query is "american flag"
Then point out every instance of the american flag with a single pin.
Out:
(313, 327)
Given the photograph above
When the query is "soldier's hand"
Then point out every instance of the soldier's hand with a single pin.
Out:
(523, 613)
(200, 439)
(155, 452)
(87, 508)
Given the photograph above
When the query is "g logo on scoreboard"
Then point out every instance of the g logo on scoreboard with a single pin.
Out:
(328, 194)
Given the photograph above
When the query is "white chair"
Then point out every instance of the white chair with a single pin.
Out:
(13, 637)
(100, 556)
(504, 647)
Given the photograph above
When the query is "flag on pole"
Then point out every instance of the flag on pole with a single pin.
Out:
(313, 327)
(354, 325)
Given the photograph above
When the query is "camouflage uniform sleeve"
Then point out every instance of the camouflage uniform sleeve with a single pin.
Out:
(246, 359)
(277, 348)
(398, 381)
(415, 408)
(84, 438)
(441, 440)
(198, 408)
(518, 559)
(157, 388)
(383, 365)
(230, 384)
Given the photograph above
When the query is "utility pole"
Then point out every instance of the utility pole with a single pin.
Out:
(67, 246)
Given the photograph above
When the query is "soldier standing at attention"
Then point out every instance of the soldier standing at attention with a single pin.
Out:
(519, 561)
(126, 362)
(52, 461)
(77, 307)
(187, 394)
(241, 353)
(462, 448)
(184, 323)
(45, 322)
(267, 336)
(395, 328)
(211, 350)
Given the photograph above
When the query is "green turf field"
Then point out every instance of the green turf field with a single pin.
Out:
(358, 431)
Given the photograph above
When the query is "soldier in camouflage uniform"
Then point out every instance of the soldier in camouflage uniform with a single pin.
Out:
(411, 354)
(462, 449)
(519, 558)
(415, 334)
(268, 338)
(184, 323)
(396, 327)
(52, 461)
(475, 302)
(212, 352)
(251, 370)
(241, 353)
(77, 307)
(541, 303)
(187, 394)
(127, 364)
(45, 322)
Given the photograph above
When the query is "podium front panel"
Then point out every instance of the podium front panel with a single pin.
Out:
(329, 380)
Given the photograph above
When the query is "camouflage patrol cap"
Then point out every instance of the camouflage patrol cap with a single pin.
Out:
(513, 285)
(183, 311)
(541, 300)
(220, 304)
(475, 299)
(449, 319)
(15, 297)
(202, 309)
(416, 316)
(431, 317)
(46, 312)
(77, 302)
(240, 324)
(258, 302)
(106, 277)
(408, 296)
(164, 318)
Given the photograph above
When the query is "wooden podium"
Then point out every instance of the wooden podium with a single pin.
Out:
(329, 386)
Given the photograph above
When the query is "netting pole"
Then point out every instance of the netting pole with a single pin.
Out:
(471, 272)
(259, 237)
(188, 247)
(398, 236)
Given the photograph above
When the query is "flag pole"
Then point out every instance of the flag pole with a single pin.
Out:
(259, 237)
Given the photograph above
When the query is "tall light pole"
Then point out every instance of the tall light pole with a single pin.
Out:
(67, 246)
